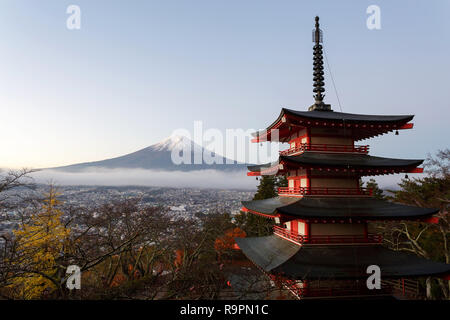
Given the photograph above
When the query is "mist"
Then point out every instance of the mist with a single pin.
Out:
(121, 177)
(179, 179)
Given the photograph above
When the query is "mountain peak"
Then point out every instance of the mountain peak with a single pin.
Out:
(172, 142)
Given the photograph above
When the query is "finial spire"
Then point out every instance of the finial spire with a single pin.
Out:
(317, 33)
(318, 71)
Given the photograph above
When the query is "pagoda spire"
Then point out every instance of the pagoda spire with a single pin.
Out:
(318, 71)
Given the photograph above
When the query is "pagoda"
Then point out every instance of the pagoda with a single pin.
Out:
(321, 246)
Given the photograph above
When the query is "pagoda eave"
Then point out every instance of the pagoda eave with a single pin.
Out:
(270, 216)
(349, 160)
(279, 256)
(362, 126)
(276, 170)
(338, 208)
(358, 163)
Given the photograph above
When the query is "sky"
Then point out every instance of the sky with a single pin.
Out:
(136, 71)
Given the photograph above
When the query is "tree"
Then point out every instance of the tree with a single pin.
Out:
(198, 273)
(255, 225)
(227, 241)
(281, 181)
(122, 247)
(430, 241)
(266, 188)
(376, 191)
(40, 244)
(10, 201)
(13, 179)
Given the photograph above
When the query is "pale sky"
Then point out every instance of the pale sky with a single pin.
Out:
(138, 70)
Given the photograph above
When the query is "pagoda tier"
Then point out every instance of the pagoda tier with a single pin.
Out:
(355, 126)
(278, 256)
(348, 163)
(335, 208)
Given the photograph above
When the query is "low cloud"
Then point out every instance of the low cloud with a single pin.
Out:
(179, 179)
(120, 177)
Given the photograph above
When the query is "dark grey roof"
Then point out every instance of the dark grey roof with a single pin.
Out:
(269, 206)
(353, 160)
(366, 208)
(348, 160)
(267, 252)
(349, 117)
(278, 256)
(341, 117)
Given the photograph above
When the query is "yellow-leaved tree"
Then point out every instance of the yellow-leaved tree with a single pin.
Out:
(41, 242)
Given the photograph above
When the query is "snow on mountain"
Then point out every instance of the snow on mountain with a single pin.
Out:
(173, 142)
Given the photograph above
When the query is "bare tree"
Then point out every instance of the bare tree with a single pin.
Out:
(430, 241)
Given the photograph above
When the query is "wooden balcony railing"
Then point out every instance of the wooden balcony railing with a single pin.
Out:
(357, 290)
(408, 288)
(329, 239)
(325, 148)
(325, 191)
(294, 236)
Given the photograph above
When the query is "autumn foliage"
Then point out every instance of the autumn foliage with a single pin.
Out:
(227, 242)
(40, 243)
(179, 255)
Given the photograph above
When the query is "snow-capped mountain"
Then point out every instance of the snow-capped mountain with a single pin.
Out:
(172, 143)
(159, 157)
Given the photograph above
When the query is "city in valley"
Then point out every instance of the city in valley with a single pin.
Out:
(181, 202)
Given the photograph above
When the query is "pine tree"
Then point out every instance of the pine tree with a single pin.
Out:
(376, 191)
(255, 225)
(281, 181)
(266, 188)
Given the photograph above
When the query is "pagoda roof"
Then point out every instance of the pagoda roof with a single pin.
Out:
(348, 117)
(316, 207)
(367, 125)
(311, 159)
(276, 255)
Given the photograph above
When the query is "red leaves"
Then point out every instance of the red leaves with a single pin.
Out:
(227, 240)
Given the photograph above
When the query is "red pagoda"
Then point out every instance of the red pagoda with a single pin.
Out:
(321, 245)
